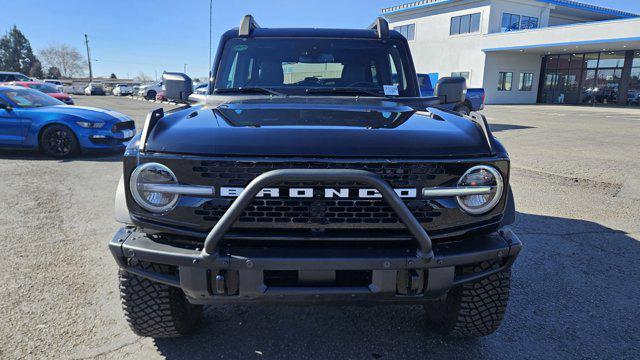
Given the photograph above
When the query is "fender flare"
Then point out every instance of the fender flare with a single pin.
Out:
(509, 216)
(121, 209)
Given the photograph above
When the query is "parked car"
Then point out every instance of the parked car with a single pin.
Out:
(48, 89)
(56, 129)
(315, 186)
(149, 91)
(160, 96)
(7, 76)
(633, 97)
(122, 90)
(94, 89)
(200, 88)
(74, 89)
(474, 100)
(58, 84)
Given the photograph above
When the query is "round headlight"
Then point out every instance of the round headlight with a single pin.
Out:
(484, 176)
(153, 174)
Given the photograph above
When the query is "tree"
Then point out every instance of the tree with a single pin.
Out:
(36, 70)
(53, 73)
(113, 76)
(16, 53)
(64, 57)
(142, 78)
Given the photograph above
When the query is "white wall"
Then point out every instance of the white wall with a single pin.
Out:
(517, 64)
(435, 51)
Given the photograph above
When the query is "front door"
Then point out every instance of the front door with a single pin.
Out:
(11, 128)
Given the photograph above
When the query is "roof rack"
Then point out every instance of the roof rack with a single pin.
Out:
(381, 26)
(247, 25)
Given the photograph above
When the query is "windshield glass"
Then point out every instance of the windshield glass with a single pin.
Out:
(45, 88)
(294, 65)
(27, 98)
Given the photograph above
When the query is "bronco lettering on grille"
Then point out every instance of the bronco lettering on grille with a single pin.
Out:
(328, 193)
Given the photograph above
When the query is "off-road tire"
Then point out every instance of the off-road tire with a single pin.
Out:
(474, 309)
(156, 310)
(151, 95)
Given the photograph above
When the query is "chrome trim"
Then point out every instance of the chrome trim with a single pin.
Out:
(180, 189)
(456, 191)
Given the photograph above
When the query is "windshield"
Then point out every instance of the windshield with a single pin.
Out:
(295, 65)
(45, 88)
(27, 98)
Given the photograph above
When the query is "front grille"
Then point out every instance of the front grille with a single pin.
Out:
(241, 173)
(319, 212)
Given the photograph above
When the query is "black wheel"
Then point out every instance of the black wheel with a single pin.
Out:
(462, 109)
(156, 310)
(474, 309)
(58, 141)
(151, 95)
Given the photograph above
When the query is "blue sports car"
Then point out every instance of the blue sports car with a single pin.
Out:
(33, 120)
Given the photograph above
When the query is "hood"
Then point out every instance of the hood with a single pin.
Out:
(84, 112)
(318, 127)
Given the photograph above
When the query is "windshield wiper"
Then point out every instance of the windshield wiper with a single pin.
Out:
(345, 90)
(248, 90)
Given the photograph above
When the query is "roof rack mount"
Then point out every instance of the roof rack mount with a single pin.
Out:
(247, 26)
(381, 26)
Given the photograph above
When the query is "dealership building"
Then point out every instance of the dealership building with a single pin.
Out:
(526, 51)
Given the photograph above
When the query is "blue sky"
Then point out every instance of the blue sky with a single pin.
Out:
(128, 37)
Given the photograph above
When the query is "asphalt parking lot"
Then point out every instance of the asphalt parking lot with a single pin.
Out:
(575, 288)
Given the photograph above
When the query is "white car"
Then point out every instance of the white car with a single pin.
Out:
(94, 89)
(122, 90)
(150, 91)
(56, 83)
(200, 88)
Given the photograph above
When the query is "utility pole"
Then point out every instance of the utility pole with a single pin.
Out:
(185, 68)
(210, 45)
(86, 41)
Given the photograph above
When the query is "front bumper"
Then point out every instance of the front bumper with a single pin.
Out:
(220, 270)
(241, 274)
(104, 139)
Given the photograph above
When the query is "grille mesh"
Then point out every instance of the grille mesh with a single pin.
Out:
(318, 212)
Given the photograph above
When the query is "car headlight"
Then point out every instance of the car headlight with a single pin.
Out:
(90, 125)
(153, 174)
(485, 176)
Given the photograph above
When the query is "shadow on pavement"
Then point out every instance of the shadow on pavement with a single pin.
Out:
(505, 127)
(32, 155)
(574, 296)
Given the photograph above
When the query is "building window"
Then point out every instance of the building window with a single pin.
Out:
(526, 82)
(464, 74)
(408, 31)
(465, 24)
(528, 22)
(505, 80)
(511, 22)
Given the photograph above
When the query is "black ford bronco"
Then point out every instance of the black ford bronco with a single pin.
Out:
(312, 172)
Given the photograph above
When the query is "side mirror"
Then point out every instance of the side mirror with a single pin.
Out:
(6, 107)
(177, 86)
(451, 90)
